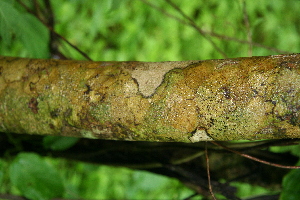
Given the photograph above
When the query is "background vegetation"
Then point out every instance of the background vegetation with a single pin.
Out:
(122, 30)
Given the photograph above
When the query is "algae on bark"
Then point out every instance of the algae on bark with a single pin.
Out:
(187, 101)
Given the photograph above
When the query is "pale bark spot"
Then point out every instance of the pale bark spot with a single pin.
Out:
(150, 75)
(200, 135)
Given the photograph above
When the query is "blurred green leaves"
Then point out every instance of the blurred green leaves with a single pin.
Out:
(24, 27)
(106, 182)
(35, 178)
(2, 168)
(58, 143)
(291, 182)
(245, 189)
(132, 30)
(291, 186)
(294, 149)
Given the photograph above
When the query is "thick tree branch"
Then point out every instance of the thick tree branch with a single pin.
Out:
(188, 101)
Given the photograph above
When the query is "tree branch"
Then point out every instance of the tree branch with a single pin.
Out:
(188, 101)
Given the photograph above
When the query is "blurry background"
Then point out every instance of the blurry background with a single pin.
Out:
(154, 31)
(135, 30)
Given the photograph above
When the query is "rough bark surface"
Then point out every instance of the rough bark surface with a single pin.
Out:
(189, 101)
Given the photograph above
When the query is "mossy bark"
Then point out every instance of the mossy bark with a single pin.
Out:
(190, 101)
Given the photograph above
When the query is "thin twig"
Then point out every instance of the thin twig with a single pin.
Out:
(256, 159)
(195, 26)
(190, 23)
(216, 35)
(55, 33)
(164, 12)
(208, 173)
(247, 24)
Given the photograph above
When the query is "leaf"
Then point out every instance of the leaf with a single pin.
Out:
(35, 178)
(2, 168)
(58, 143)
(32, 33)
(294, 149)
(291, 186)
(5, 28)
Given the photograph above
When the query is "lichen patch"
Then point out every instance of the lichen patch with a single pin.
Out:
(149, 75)
(200, 135)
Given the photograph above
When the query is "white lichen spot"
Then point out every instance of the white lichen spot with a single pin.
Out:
(200, 135)
(150, 75)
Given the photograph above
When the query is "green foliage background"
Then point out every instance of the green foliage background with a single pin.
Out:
(122, 30)
(132, 30)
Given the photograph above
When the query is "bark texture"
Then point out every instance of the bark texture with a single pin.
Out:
(188, 101)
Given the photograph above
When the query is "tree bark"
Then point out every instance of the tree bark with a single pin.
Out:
(186, 101)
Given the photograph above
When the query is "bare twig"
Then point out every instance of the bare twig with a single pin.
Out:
(165, 13)
(189, 23)
(195, 26)
(256, 159)
(247, 24)
(208, 173)
(54, 32)
(216, 35)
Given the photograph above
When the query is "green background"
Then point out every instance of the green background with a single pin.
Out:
(123, 30)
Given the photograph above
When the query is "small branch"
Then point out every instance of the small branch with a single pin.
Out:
(216, 35)
(55, 33)
(208, 173)
(247, 24)
(256, 159)
(195, 26)
(190, 23)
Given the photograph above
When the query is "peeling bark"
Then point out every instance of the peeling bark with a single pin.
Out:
(189, 101)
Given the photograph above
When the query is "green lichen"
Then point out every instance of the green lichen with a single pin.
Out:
(101, 112)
